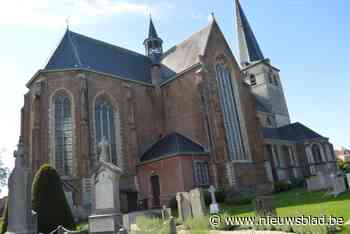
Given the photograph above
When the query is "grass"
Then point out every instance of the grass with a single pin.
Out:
(299, 202)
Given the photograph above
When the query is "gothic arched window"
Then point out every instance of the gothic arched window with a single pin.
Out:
(63, 135)
(316, 153)
(105, 127)
(230, 113)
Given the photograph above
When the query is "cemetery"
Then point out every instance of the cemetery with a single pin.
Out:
(322, 195)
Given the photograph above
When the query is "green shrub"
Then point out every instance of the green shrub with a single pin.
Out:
(49, 201)
(5, 218)
(282, 186)
(297, 182)
(220, 195)
(242, 198)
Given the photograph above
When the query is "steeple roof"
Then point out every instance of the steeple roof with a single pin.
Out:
(249, 49)
(152, 33)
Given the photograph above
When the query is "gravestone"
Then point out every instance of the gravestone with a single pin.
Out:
(197, 202)
(106, 217)
(184, 205)
(264, 206)
(214, 206)
(338, 185)
(165, 213)
(21, 218)
(348, 179)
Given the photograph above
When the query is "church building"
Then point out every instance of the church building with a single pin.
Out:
(189, 116)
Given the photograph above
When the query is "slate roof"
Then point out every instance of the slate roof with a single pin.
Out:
(291, 132)
(173, 143)
(79, 51)
(246, 36)
(152, 33)
(185, 54)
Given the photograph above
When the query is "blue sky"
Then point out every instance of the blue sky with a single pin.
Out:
(306, 39)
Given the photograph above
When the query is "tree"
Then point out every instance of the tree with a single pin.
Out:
(49, 201)
(4, 171)
(5, 219)
(344, 166)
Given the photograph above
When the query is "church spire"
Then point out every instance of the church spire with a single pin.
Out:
(249, 49)
(153, 44)
(152, 33)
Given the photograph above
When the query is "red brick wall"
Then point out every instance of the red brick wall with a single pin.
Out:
(175, 174)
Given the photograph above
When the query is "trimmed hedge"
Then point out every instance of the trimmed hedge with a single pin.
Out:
(49, 201)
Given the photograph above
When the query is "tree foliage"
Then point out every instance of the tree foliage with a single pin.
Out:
(5, 219)
(49, 201)
(4, 171)
(344, 166)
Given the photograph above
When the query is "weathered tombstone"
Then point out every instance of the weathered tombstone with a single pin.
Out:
(264, 206)
(338, 185)
(184, 205)
(348, 179)
(165, 213)
(214, 206)
(106, 217)
(21, 218)
(197, 202)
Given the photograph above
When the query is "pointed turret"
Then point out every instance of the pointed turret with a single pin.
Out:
(153, 44)
(249, 49)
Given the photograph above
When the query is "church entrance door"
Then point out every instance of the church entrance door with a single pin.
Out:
(155, 190)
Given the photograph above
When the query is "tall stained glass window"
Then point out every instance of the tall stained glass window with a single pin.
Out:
(230, 113)
(105, 127)
(63, 135)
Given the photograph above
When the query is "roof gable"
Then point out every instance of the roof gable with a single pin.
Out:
(185, 54)
(173, 143)
(78, 51)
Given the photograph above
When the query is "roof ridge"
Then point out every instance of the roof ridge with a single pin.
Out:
(110, 45)
(75, 48)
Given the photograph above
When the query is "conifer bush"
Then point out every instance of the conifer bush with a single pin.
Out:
(49, 201)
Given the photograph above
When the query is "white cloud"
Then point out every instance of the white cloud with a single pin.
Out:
(49, 13)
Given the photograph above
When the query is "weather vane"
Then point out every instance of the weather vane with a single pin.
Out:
(67, 23)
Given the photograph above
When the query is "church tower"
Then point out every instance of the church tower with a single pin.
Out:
(262, 77)
(153, 44)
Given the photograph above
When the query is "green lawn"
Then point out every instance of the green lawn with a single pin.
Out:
(298, 202)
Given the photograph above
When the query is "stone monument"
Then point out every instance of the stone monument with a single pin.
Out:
(197, 202)
(214, 206)
(106, 217)
(21, 218)
(264, 206)
(184, 205)
(338, 185)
